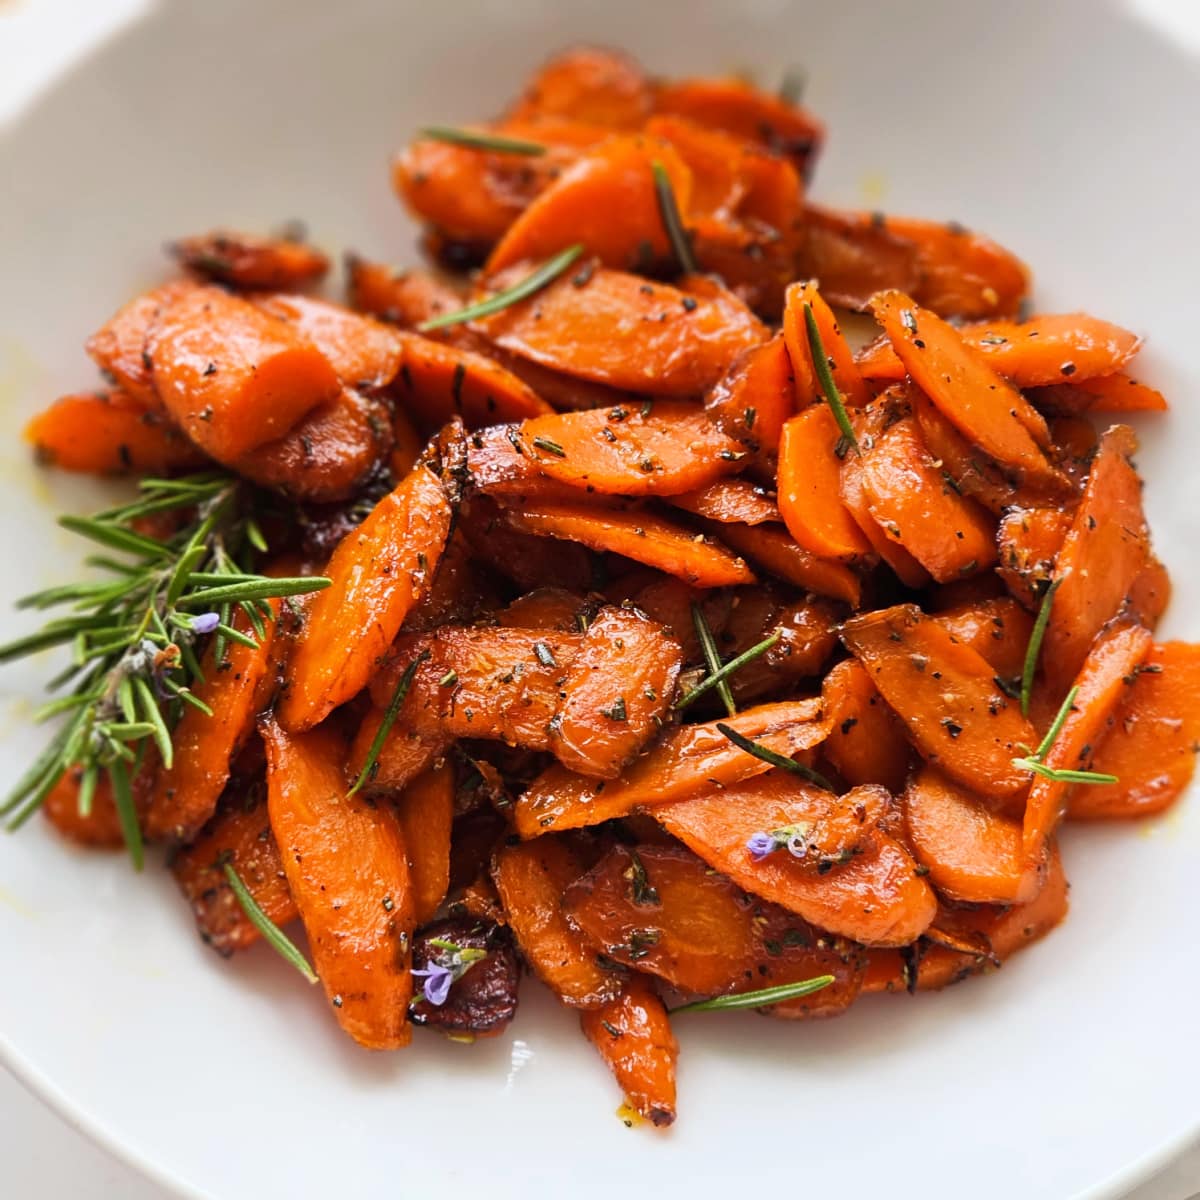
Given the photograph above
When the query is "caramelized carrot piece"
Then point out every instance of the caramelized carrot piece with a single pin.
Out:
(998, 629)
(110, 433)
(679, 765)
(406, 444)
(672, 448)
(809, 483)
(755, 396)
(347, 868)
(531, 878)
(1029, 541)
(425, 810)
(379, 571)
(1150, 593)
(1151, 746)
(715, 162)
(245, 260)
(639, 535)
(232, 376)
(1108, 393)
(101, 828)
(587, 84)
(405, 298)
(499, 465)
(774, 550)
(1108, 672)
(590, 325)
(944, 691)
(866, 741)
(185, 794)
(528, 560)
(1101, 556)
(242, 836)
(841, 360)
(735, 501)
(633, 1034)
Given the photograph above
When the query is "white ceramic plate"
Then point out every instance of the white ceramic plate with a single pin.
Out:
(1067, 130)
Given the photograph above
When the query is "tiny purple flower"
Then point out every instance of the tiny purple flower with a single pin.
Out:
(761, 845)
(205, 622)
(437, 982)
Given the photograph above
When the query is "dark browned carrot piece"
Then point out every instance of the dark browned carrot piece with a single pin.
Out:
(729, 500)
(588, 84)
(550, 608)
(498, 465)
(866, 741)
(528, 560)
(755, 396)
(406, 444)
(998, 629)
(841, 363)
(425, 810)
(246, 260)
(773, 549)
(1108, 393)
(945, 692)
(110, 432)
(347, 868)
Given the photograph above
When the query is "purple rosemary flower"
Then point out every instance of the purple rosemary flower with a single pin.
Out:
(437, 982)
(205, 622)
(760, 845)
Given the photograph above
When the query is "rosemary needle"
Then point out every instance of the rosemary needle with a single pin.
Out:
(759, 999)
(820, 361)
(272, 934)
(672, 221)
(476, 139)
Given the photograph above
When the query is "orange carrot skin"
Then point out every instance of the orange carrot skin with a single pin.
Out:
(755, 396)
(404, 298)
(594, 86)
(550, 608)
(944, 691)
(866, 741)
(231, 376)
(407, 444)
(773, 549)
(1029, 540)
(1101, 556)
(1150, 593)
(733, 501)
(1108, 393)
(425, 811)
(343, 858)
(101, 828)
(1151, 746)
(379, 571)
(997, 629)
(110, 432)
(841, 363)
(248, 261)
(1107, 674)
(633, 1034)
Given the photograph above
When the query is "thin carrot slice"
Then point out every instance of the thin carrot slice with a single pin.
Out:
(998, 629)
(425, 810)
(1151, 747)
(633, 1034)
(809, 480)
(639, 535)
(755, 396)
(347, 869)
(1108, 672)
(945, 692)
(405, 298)
(406, 444)
(588, 84)
(736, 501)
(379, 571)
(683, 762)
(841, 359)
(866, 741)
(531, 878)
(245, 260)
(1109, 393)
(773, 549)
(1150, 593)
(1102, 554)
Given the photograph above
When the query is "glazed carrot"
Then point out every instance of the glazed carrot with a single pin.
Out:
(680, 764)
(379, 571)
(589, 323)
(531, 878)
(617, 176)
(240, 834)
(1108, 393)
(405, 298)
(715, 163)
(810, 502)
(955, 713)
(639, 535)
(908, 497)
(876, 897)
(849, 382)
(997, 629)
(232, 376)
(674, 447)
(528, 560)
(244, 260)
(425, 810)
(110, 433)
(404, 755)
(866, 741)
(736, 501)
(552, 608)
(101, 828)
(347, 869)
(1150, 593)
(633, 1034)
(185, 794)
(754, 398)
(587, 84)
(406, 444)
(1151, 746)
(1108, 672)
(772, 548)
(1029, 541)
(499, 464)
(1103, 552)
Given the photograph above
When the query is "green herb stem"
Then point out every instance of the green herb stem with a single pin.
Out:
(672, 221)
(767, 755)
(272, 934)
(1034, 649)
(722, 674)
(475, 139)
(760, 999)
(389, 719)
(820, 361)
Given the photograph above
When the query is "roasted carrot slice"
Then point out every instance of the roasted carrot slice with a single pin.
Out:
(998, 629)
(773, 549)
(400, 297)
(101, 828)
(379, 571)
(528, 560)
(1029, 541)
(945, 692)
(588, 84)
(877, 897)
(1108, 672)
(674, 447)
(531, 879)
(186, 793)
(684, 762)
(246, 260)
(498, 465)
(715, 161)
(1151, 747)
(1108, 393)
(840, 358)
(110, 432)
(907, 495)
(810, 468)
(550, 608)
(591, 325)
(347, 868)
(736, 501)
(1150, 593)
(633, 1034)
(425, 810)
(240, 834)
(755, 396)
(617, 176)
(639, 535)
(866, 741)
(231, 376)
(1101, 556)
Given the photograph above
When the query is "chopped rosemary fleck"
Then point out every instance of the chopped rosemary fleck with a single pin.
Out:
(760, 999)
(774, 757)
(272, 934)
(816, 350)
(723, 673)
(475, 139)
(711, 658)
(672, 222)
(544, 443)
(1034, 649)
(389, 719)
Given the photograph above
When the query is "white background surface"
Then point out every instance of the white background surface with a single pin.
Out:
(42, 1157)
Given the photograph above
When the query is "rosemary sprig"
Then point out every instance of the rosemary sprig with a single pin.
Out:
(672, 221)
(133, 639)
(537, 279)
(816, 350)
(476, 139)
(722, 674)
(272, 934)
(774, 757)
(389, 719)
(1034, 649)
(1035, 762)
(712, 658)
(791, 87)
(760, 999)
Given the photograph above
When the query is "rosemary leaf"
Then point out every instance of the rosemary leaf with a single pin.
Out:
(118, 773)
(760, 999)
(722, 675)
(711, 658)
(255, 589)
(672, 222)
(1034, 649)
(389, 719)
(115, 537)
(476, 140)
(816, 350)
(272, 934)
(775, 758)
(87, 789)
(235, 635)
(149, 707)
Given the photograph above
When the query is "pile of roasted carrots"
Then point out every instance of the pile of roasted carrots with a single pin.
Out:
(672, 647)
